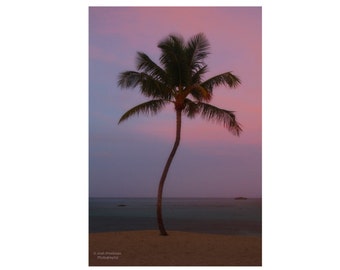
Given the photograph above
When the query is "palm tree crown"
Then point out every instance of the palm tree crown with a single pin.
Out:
(178, 80)
(178, 77)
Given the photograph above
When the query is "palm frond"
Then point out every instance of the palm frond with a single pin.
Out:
(173, 58)
(171, 42)
(148, 85)
(198, 74)
(227, 79)
(190, 108)
(151, 107)
(215, 114)
(172, 48)
(129, 79)
(197, 50)
(200, 93)
(145, 64)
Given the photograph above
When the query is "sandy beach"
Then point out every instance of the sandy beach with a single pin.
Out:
(148, 248)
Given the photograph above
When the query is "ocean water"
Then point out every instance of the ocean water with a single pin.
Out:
(206, 215)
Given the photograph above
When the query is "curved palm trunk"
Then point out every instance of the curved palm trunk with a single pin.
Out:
(165, 172)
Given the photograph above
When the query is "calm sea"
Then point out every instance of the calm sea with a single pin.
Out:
(207, 215)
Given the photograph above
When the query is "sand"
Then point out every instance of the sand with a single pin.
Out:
(148, 248)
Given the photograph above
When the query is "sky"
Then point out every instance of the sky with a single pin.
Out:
(127, 160)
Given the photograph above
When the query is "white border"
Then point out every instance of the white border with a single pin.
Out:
(44, 134)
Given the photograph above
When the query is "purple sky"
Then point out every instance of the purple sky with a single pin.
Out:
(127, 160)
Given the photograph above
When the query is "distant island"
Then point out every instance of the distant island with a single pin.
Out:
(240, 198)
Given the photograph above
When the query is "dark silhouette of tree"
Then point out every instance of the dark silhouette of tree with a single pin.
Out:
(178, 77)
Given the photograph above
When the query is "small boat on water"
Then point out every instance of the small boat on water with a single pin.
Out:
(240, 198)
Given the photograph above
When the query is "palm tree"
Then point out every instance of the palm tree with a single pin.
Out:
(178, 77)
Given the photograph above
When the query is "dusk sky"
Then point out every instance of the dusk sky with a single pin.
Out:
(127, 160)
